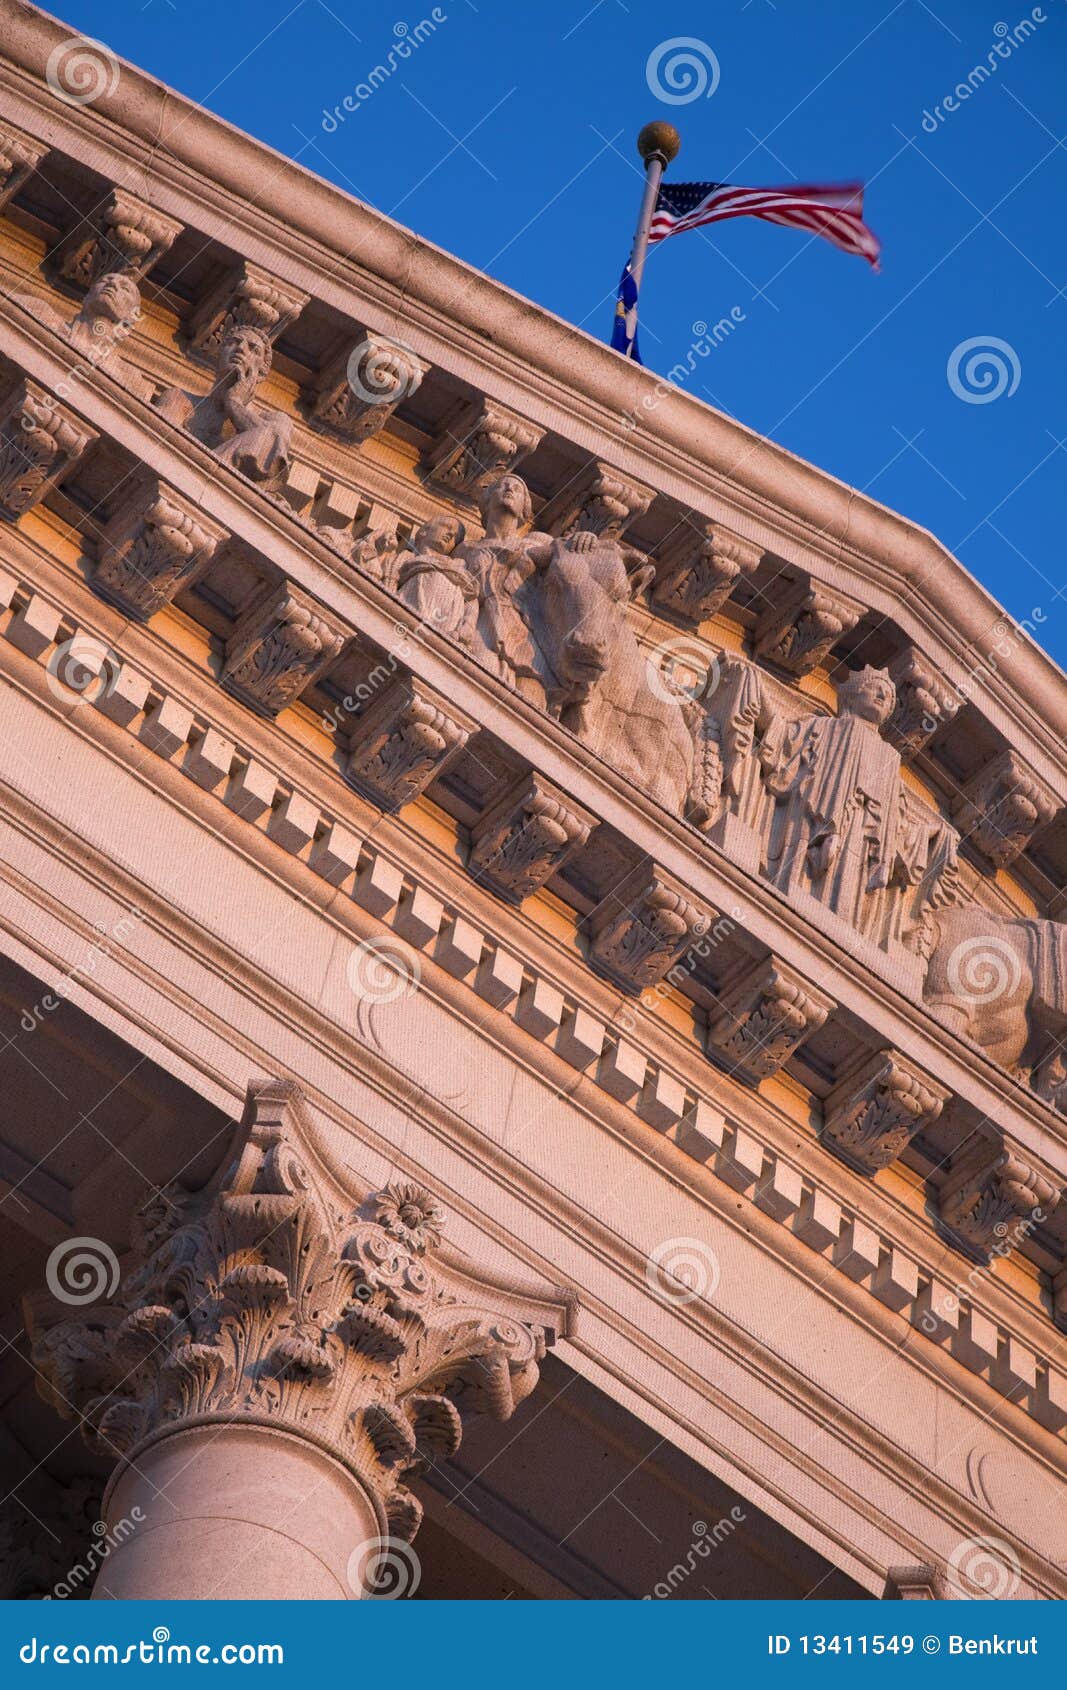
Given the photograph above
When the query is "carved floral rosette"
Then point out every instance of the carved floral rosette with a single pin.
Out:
(269, 1298)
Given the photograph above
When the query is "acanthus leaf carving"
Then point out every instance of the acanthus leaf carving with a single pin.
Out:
(925, 702)
(765, 1013)
(41, 441)
(483, 441)
(803, 624)
(1003, 806)
(524, 837)
(699, 566)
(154, 546)
(872, 1116)
(402, 741)
(282, 643)
(249, 297)
(123, 234)
(993, 1198)
(273, 1297)
(600, 500)
(358, 391)
(638, 932)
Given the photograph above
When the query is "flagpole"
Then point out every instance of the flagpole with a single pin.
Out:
(658, 144)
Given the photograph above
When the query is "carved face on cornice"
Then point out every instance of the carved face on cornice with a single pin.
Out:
(114, 303)
(507, 498)
(245, 357)
(868, 693)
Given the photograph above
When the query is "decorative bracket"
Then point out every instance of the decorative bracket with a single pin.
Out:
(993, 1199)
(249, 297)
(766, 1012)
(524, 837)
(925, 702)
(872, 1116)
(20, 156)
(483, 442)
(124, 233)
(699, 566)
(600, 501)
(282, 643)
(154, 546)
(800, 630)
(41, 441)
(402, 741)
(358, 392)
(638, 933)
(1003, 806)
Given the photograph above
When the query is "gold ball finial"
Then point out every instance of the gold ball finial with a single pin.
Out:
(661, 138)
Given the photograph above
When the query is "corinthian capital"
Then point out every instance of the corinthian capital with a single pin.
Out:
(272, 1298)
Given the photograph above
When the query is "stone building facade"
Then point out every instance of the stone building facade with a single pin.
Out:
(532, 972)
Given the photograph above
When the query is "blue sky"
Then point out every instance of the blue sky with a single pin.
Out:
(507, 136)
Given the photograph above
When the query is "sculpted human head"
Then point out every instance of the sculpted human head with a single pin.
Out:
(507, 498)
(112, 305)
(441, 534)
(245, 355)
(868, 693)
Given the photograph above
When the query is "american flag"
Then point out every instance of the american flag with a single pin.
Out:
(835, 212)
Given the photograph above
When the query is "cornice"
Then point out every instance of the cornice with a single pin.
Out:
(719, 1189)
(352, 257)
(537, 739)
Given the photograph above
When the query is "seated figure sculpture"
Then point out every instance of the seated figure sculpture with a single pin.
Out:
(438, 585)
(253, 441)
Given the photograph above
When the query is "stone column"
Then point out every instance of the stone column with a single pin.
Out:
(279, 1359)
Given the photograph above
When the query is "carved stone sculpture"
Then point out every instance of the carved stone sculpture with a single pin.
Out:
(439, 586)
(1002, 808)
(872, 1116)
(524, 837)
(255, 442)
(154, 546)
(247, 298)
(377, 554)
(803, 624)
(764, 1014)
(41, 441)
(105, 320)
(835, 832)
(502, 564)
(402, 741)
(599, 501)
(20, 155)
(482, 443)
(123, 233)
(925, 702)
(358, 393)
(273, 1299)
(993, 1198)
(282, 644)
(1002, 983)
(699, 566)
(639, 931)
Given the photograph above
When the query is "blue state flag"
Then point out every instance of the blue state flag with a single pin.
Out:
(624, 328)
